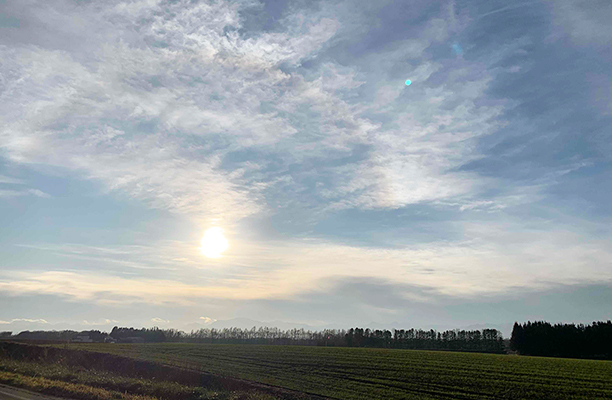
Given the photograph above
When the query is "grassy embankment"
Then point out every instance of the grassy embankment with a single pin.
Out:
(60, 374)
(72, 383)
(359, 373)
(12, 373)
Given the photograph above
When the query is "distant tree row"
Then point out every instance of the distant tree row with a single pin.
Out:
(151, 335)
(563, 340)
(262, 335)
(66, 335)
(487, 340)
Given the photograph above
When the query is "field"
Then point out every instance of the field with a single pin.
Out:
(89, 384)
(360, 373)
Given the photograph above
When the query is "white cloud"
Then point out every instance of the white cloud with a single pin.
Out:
(39, 193)
(133, 256)
(207, 320)
(27, 192)
(101, 322)
(491, 258)
(178, 166)
(10, 193)
(159, 320)
(172, 105)
(17, 320)
(163, 94)
(8, 179)
(585, 21)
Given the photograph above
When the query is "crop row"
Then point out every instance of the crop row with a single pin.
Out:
(357, 373)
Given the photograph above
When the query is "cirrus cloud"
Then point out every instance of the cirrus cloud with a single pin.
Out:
(16, 320)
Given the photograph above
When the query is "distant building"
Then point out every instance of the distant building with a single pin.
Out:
(110, 339)
(82, 339)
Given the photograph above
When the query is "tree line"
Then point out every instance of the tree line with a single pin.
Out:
(65, 335)
(148, 335)
(487, 340)
(541, 338)
(538, 338)
(152, 335)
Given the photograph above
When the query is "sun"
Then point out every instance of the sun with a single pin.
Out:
(213, 243)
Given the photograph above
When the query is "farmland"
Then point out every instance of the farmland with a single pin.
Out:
(85, 375)
(360, 373)
(77, 383)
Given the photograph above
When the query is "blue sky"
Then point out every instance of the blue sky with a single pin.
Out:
(479, 194)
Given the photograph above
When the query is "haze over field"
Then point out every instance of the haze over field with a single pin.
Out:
(337, 194)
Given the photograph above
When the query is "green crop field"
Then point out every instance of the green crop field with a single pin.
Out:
(360, 373)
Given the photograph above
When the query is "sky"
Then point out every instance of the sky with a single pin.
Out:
(478, 195)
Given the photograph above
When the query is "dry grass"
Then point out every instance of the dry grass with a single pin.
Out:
(78, 383)
(65, 389)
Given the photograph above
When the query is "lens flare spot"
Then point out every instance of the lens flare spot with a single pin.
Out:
(457, 49)
(408, 82)
(213, 243)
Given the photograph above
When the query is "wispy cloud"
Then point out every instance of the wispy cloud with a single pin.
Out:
(138, 257)
(39, 193)
(500, 145)
(17, 320)
(27, 192)
(491, 258)
(207, 320)
(10, 193)
(193, 117)
(171, 88)
(8, 179)
(101, 322)
(584, 22)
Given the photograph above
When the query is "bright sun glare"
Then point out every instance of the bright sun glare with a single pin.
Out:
(213, 243)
